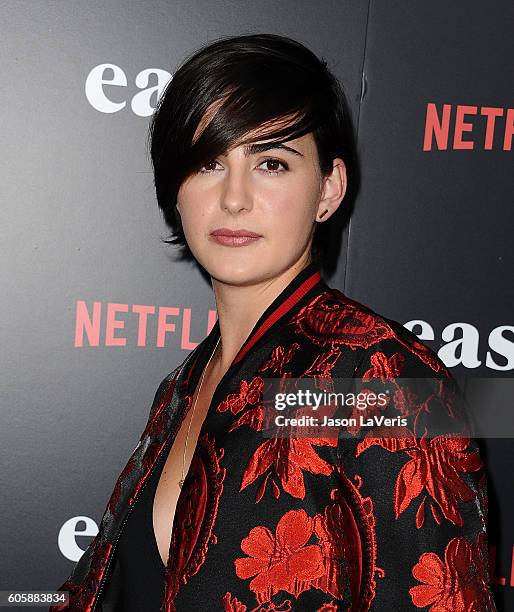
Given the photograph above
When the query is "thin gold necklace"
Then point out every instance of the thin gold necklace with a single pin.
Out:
(181, 481)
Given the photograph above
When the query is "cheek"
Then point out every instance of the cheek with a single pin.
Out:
(289, 214)
(297, 195)
(192, 208)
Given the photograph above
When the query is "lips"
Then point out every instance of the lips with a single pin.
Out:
(234, 238)
(224, 231)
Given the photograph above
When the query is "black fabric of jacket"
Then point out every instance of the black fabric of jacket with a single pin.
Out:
(349, 523)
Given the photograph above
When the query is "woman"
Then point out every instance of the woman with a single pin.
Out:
(251, 150)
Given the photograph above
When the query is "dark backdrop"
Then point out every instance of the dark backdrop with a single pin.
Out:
(428, 242)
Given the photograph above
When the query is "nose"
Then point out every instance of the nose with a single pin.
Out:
(236, 192)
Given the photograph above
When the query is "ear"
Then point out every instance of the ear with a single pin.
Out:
(334, 190)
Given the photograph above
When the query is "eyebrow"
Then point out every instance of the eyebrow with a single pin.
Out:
(259, 147)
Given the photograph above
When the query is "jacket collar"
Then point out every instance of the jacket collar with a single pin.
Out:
(301, 289)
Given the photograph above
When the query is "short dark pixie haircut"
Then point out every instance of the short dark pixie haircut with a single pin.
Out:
(256, 79)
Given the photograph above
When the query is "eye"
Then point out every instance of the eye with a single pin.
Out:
(271, 161)
(209, 167)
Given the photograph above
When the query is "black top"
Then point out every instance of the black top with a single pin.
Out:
(141, 566)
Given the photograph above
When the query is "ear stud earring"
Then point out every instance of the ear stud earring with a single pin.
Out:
(323, 214)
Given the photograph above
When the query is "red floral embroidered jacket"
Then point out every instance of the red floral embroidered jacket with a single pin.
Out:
(316, 524)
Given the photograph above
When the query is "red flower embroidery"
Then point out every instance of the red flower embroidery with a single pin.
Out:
(328, 607)
(280, 357)
(434, 467)
(287, 457)
(333, 317)
(232, 604)
(249, 393)
(82, 594)
(159, 415)
(424, 353)
(384, 367)
(371, 409)
(323, 365)
(115, 495)
(406, 401)
(254, 418)
(332, 531)
(457, 583)
(281, 562)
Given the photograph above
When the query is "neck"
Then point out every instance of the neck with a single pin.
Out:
(239, 308)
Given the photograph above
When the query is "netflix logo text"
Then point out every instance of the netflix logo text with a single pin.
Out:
(462, 127)
(113, 324)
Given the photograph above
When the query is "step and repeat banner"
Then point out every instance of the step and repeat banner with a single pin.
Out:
(97, 310)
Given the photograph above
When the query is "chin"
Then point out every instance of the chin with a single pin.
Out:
(233, 270)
